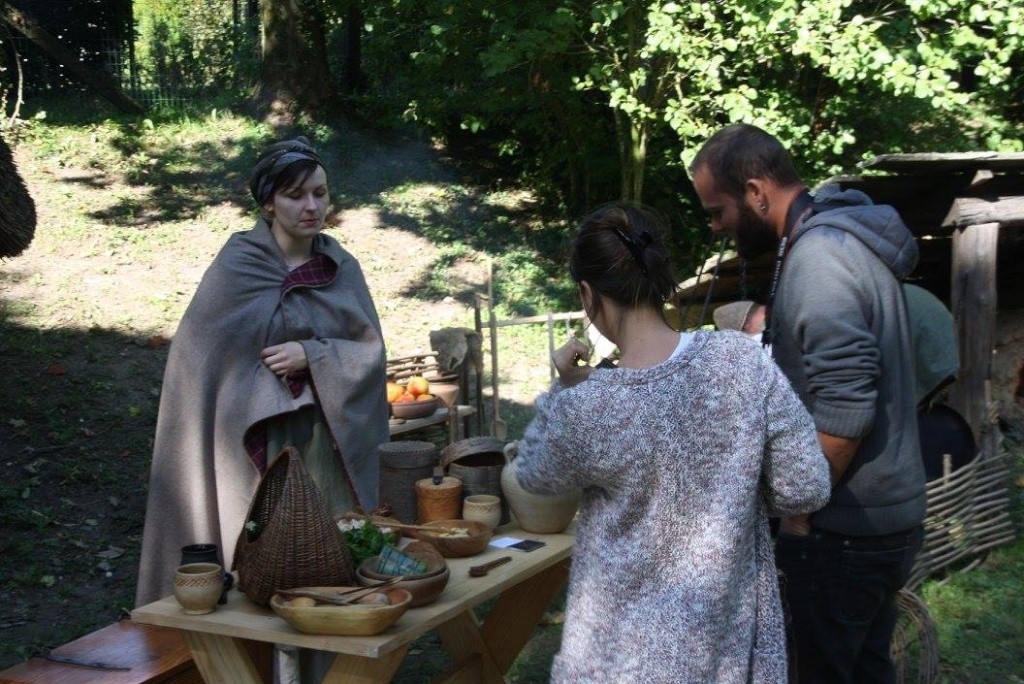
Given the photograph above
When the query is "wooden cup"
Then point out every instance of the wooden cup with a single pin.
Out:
(198, 587)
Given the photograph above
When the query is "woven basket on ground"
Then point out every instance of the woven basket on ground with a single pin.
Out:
(478, 462)
(296, 542)
(402, 464)
(914, 647)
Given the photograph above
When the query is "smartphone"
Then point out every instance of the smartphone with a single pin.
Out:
(528, 545)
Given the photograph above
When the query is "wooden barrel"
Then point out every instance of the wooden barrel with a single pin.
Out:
(402, 464)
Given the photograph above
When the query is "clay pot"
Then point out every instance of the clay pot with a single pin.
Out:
(198, 587)
(535, 512)
(485, 508)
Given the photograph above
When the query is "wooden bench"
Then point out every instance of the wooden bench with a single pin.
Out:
(122, 653)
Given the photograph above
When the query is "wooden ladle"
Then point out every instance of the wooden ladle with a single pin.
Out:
(481, 570)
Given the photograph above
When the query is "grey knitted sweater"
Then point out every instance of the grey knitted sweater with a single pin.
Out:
(673, 578)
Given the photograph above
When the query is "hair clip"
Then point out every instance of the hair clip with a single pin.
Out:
(635, 247)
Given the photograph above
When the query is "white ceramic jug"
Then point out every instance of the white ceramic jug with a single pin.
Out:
(535, 512)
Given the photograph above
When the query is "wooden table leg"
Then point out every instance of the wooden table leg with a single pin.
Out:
(353, 669)
(221, 659)
(462, 639)
(511, 622)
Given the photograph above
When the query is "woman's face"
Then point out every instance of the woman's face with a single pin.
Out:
(298, 211)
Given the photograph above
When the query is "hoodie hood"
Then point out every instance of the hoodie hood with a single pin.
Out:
(878, 226)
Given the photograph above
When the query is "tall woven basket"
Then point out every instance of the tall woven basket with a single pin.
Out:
(402, 465)
(478, 462)
(296, 542)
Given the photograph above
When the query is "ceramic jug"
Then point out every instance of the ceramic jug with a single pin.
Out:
(535, 512)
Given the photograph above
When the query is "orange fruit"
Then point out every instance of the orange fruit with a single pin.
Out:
(425, 397)
(417, 385)
(394, 391)
(404, 398)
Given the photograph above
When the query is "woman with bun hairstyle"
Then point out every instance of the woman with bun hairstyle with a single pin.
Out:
(682, 452)
(281, 345)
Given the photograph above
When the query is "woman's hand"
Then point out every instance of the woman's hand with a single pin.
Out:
(566, 360)
(286, 358)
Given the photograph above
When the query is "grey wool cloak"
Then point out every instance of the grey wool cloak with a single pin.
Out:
(216, 388)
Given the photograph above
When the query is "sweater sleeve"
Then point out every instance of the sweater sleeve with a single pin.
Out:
(824, 288)
(549, 457)
(795, 474)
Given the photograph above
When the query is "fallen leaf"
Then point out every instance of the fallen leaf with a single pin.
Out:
(134, 411)
(92, 522)
(17, 423)
(553, 618)
(47, 580)
(57, 369)
(111, 553)
(157, 341)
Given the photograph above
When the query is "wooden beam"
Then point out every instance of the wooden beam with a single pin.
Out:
(973, 298)
(97, 79)
(974, 211)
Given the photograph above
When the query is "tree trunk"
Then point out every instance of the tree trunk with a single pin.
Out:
(98, 80)
(354, 48)
(294, 71)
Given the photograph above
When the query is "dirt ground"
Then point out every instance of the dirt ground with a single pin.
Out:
(86, 314)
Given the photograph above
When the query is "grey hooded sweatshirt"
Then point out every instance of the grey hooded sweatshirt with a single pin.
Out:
(842, 337)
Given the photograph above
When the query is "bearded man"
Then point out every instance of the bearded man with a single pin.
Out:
(838, 328)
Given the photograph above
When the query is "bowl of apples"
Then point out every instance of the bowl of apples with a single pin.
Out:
(412, 400)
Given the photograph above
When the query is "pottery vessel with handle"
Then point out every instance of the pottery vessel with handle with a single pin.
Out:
(535, 512)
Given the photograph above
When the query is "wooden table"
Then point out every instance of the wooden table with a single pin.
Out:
(442, 415)
(480, 651)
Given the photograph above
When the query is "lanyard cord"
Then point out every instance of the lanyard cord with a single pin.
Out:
(799, 211)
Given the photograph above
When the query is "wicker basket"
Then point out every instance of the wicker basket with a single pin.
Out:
(915, 644)
(438, 501)
(478, 462)
(402, 464)
(296, 542)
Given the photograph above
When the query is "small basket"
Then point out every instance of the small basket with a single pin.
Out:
(478, 462)
(296, 542)
(402, 464)
(438, 501)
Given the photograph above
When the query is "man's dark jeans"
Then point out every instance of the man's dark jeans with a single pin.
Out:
(839, 595)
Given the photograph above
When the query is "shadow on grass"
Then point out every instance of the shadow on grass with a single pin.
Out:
(79, 411)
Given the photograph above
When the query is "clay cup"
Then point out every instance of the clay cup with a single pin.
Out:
(198, 587)
(485, 508)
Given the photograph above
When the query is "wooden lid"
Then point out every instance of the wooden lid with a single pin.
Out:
(469, 447)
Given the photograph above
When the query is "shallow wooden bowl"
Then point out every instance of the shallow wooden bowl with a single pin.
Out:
(458, 547)
(420, 550)
(424, 588)
(354, 620)
(415, 409)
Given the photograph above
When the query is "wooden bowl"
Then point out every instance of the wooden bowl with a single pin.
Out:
(354, 620)
(458, 547)
(409, 410)
(424, 588)
(421, 551)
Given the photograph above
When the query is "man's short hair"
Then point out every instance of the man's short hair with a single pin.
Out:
(740, 152)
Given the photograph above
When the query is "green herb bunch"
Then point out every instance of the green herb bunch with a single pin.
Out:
(364, 539)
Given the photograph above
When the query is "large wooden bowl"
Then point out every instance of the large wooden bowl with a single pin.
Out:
(424, 588)
(354, 620)
(410, 410)
(457, 547)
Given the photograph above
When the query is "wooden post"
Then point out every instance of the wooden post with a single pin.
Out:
(97, 79)
(973, 298)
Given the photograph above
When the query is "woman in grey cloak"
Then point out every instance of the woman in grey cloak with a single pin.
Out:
(280, 345)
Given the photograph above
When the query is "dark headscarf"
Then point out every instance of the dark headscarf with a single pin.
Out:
(274, 160)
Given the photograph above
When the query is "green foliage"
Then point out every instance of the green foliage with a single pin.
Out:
(561, 88)
(367, 540)
(196, 45)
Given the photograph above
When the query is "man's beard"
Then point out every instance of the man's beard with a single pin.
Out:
(754, 235)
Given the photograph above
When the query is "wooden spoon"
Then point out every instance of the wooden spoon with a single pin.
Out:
(483, 569)
(339, 598)
(404, 526)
